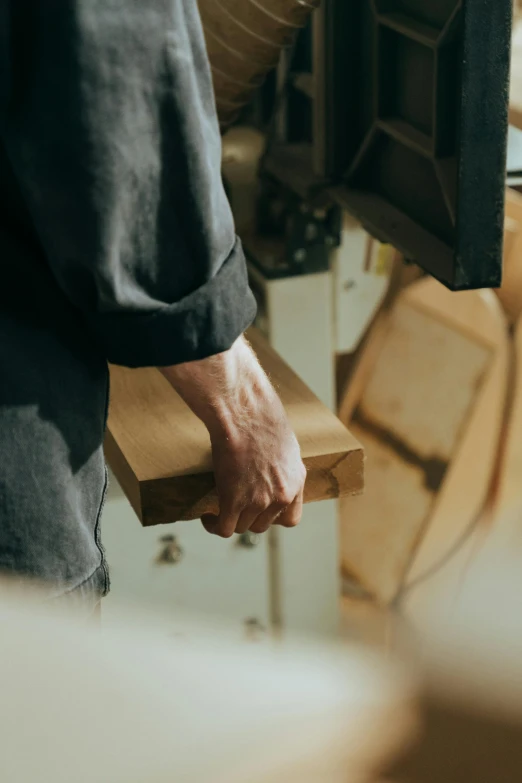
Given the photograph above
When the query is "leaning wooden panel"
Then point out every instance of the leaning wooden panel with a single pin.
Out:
(160, 452)
(429, 419)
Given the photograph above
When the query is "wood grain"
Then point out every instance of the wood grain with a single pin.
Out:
(433, 366)
(448, 545)
(160, 452)
(364, 359)
(515, 96)
(510, 490)
(510, 294)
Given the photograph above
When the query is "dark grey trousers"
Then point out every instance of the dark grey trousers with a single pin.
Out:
(53, 402)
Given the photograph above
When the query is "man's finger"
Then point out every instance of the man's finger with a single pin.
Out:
(223, 525)
(268, 518)
(246, 519)
(292, 515)
(209, 522)
(227, 521)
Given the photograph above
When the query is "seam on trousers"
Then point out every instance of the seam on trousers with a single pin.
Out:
(80, 585)
(97, 535)
(97, 528)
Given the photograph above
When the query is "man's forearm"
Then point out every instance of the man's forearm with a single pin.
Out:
(113, 143)
(257, 464)
(223, 389)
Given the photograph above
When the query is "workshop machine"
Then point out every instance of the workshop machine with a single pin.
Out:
(352, 133)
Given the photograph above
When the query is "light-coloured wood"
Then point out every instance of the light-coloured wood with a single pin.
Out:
(160, 452)
(510, 489)
(411, 418)
(364, 367)
(510, 294)
(364, 359)
(515, 97)
(420, 387)
(380, 529)
(455, 530)
(364, 622)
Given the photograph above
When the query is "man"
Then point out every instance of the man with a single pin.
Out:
(117, 244)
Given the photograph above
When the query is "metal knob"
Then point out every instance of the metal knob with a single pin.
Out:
(248, 540)
(171, 553)
(254, 629)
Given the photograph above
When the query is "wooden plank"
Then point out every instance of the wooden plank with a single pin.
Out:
(510, 294)
(380, 528)
(515, 96)
(420, 387)
(434, 361)
(364, 366)
(364, 622)
(509, 504)
(449, 544)
(160, 452)
(352, 387)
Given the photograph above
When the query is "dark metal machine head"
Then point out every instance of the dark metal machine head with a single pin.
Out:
(397, 110)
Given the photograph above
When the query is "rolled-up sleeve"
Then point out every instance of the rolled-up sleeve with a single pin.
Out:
(111, 131)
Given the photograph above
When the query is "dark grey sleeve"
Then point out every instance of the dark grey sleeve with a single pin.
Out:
(111, 130)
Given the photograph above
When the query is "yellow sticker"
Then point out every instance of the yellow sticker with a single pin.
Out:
(383, 259)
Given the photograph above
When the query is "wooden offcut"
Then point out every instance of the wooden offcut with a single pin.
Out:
(428, 417)
(160, 452)
(510, 294)
(515, 95)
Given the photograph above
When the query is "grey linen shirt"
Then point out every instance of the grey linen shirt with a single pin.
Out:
(116, 244)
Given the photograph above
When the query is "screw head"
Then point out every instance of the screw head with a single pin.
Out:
(248, 540)
(171, 553)
(311, 232)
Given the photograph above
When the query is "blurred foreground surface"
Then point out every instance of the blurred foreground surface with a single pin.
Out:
(126, 703)
(471, 659)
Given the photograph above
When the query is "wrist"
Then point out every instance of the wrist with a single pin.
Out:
(234, 401)
(223, 390)
(231, 413)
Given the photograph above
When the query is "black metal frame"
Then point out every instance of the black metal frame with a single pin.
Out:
(406, 127)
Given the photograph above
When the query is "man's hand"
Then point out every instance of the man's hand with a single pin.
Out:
(258, 468)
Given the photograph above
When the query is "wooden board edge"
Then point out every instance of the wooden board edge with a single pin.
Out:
(326, 480)
(326, 474)
(442, 308)
(178, 499)
(123, 472)
(354, 389)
